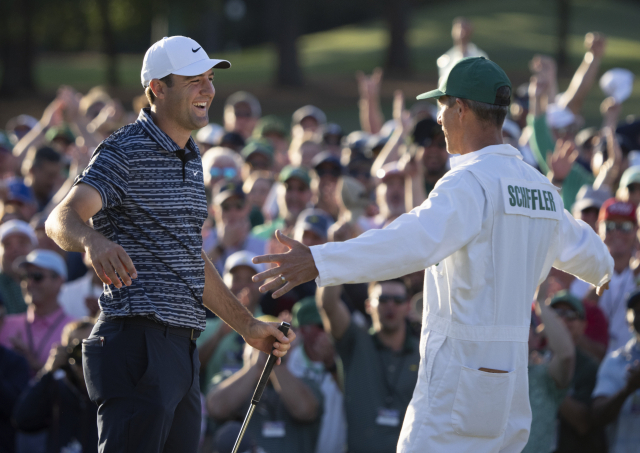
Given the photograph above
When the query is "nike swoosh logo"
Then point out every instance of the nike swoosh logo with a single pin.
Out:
(195, 173)
(195, 50)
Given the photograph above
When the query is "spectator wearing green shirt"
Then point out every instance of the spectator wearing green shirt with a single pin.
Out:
(576, 430)
(380, 366)
(554, 123)
(550, 374)
(219, 346)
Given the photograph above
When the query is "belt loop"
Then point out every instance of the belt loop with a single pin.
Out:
(166, 331)
(121, 325)
(191, 338)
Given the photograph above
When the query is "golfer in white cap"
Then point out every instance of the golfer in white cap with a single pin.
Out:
(144, 190)
(488, 234)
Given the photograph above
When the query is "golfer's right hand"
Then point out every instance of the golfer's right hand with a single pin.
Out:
(108, 258)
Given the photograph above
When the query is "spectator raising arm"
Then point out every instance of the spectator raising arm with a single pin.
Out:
(586, 74)
(559, 342)
(371, 117)
(391, 151)
(335, 315)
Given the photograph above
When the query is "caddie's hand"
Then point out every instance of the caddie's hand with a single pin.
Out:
(293, 267)
(108, 258)
(265, 337)
(601, 289)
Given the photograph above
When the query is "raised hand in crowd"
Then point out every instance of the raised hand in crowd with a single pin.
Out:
(562, 159)
(371, 118)
(544, 68)
(586, 74)
(608, 171)
(391, 151)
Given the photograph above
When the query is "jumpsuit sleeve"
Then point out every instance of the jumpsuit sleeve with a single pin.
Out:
(582, 253)
(448, 220)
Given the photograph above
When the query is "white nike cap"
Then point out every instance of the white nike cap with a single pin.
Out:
(177, 55)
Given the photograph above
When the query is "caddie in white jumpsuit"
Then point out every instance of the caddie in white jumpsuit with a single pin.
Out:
(488, 234)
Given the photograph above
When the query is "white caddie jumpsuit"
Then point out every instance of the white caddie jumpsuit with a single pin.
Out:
(488, 234)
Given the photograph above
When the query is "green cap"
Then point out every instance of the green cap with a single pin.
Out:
(63, 131)
(260, 146)
(567, 298)
(267, 125)
(473, 78)
(305, 312)
(290, 171)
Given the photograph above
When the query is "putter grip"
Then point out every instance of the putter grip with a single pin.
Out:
(264, 378)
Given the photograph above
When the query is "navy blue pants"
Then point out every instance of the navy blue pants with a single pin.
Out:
(144, 380)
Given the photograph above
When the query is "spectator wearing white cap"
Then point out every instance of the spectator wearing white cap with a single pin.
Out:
(17, 239)
(629, 188)
(241, 113)
(33, 333)
(310, 118)
(220, 348)
(588, 204)
(209, 136)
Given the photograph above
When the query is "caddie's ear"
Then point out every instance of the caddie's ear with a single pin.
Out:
(158, 88)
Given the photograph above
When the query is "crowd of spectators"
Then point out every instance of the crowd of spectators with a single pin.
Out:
(346, 384)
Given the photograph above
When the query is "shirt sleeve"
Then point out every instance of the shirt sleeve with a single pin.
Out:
(447, 221)
(108, 173)
(582, 253)
(610, 378)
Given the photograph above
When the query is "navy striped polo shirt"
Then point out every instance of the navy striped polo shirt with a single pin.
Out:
(154, 206)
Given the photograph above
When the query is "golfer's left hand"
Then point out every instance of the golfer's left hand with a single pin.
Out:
(296, 266)
(260, 335)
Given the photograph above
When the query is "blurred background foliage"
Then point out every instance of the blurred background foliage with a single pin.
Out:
(291, 52)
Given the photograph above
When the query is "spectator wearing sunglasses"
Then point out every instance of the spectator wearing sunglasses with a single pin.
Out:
(57, 401)
(33, 333)
(550, 371)
(232, 231)
(617, 226)
(576, 432)
(324, 182)
(219, 164)
(380, 366)
(294, 196)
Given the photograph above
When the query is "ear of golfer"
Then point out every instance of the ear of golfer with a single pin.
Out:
(294, 267)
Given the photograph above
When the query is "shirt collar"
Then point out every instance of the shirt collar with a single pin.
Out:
(157, 135)
(503, 150)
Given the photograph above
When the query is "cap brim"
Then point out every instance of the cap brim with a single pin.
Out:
(431, 94)
(202, 66)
